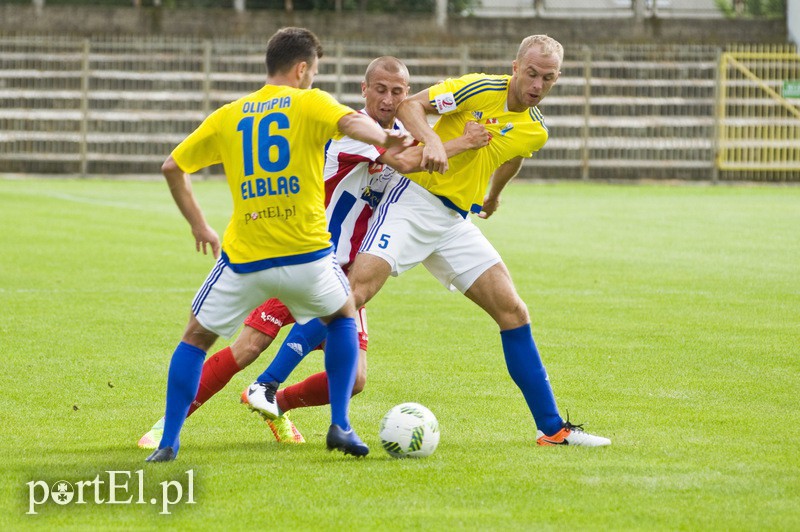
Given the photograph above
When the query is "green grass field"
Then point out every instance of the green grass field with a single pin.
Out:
(668, 317)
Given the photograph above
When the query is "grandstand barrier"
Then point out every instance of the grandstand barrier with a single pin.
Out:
(758, 113)
(118, 106)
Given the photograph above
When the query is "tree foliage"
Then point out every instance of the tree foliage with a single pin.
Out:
(753, 8)
(370, 6)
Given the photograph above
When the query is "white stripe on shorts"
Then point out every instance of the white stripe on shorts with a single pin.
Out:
(380, 215)
(207, 285)
(341, 276)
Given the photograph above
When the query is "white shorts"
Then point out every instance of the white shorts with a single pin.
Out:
(413, 226)
(309, 291)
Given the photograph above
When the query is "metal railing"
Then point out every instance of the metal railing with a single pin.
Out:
(758, 118)
(105, 106)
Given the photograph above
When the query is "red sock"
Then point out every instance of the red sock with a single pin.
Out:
(217, 372)
(311, 392)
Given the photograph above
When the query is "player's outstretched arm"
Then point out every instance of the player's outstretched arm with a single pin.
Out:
(365, 129)
(413, 112)
(180, 186)
(410, 160)
(500, 178)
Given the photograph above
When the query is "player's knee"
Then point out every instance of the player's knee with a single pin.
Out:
(514, 315)
(367, 275)
(248, 351)
(521, 311)
(198, 336)
(244, 357)
(360, 296)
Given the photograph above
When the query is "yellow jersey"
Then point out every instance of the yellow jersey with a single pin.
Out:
(271, 145)
(481, 98)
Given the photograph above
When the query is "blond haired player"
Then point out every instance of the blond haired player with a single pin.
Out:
(426, 220)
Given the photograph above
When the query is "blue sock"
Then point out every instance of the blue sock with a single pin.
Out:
(298, 343)
(526, 369)
(341, 360)
(182, 383)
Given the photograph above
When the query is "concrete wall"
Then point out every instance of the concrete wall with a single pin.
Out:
(90, 20)
(793, 20)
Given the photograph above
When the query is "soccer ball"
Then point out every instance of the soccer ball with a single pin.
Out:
(409, 430)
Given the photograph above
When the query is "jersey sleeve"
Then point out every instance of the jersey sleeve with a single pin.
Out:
(326, 112)
(201, 148)
(359, 150)
(464, 93)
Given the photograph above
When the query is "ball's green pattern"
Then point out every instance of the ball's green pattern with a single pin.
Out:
(412, 411)
(392, 447)
(416, 439)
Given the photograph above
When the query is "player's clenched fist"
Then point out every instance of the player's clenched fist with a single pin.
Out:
(434, 157)
(476, 134)
(397, 140)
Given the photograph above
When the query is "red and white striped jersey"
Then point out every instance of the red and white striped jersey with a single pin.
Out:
(354, 184)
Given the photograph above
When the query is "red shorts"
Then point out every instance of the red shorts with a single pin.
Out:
(271, 315)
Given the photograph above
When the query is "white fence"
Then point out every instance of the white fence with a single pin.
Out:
(105, 106)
